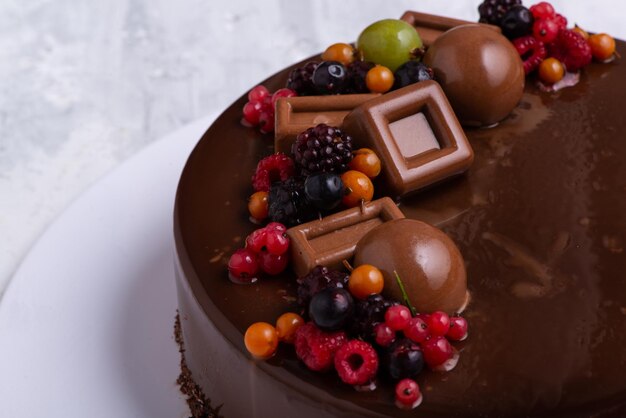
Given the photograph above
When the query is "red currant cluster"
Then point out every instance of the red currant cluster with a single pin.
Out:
(328, 340)
(542, 39)
(266, 251)
(259, 110)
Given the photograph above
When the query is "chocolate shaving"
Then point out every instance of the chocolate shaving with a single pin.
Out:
(199, 404)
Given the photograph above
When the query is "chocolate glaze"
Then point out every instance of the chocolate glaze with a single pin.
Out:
(540, 219)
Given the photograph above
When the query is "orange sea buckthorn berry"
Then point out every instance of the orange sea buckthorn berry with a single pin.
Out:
(379, 79)
(357, 187)
(344, 53)
(551, 70)
(258, 206)
(581, 32)
(286, 325)
(366, 161)
(602, 46)
(261, 340)
(365, 280)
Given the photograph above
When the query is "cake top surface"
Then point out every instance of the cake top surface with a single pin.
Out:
(540, 219)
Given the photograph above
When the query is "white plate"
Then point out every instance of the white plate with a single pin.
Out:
(86, 323)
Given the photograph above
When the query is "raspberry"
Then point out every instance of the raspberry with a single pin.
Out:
(288, 204)
(276, 167)
(356, 362)
(571, 49)
(317, 280)
(532, 52)
(300, 79)
(491, 11)
(324, 149)
(317, 348)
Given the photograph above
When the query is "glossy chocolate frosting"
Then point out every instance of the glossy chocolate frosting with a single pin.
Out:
(540, 219)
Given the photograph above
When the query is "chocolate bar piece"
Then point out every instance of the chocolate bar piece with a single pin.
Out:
(296, 114)
(416, 135)
(330, 240)
(430, 27)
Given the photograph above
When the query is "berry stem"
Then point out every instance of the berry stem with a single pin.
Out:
(347, 265)
(405, 296)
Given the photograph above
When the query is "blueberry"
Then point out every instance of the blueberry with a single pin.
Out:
(411, 72)
(331, 308)
(324, 190)
(330, 77)
(516, 22)
(404, 359)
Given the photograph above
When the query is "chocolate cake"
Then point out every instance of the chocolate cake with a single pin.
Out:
(540, 220)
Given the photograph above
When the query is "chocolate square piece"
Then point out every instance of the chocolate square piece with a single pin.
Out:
(297, 114)
(416, 135)
(329, 241)
(430, 27)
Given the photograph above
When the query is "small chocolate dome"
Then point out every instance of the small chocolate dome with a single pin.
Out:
(427, 261)
(480, 71)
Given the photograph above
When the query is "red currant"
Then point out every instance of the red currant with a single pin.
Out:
(397, 317)
(384, 335)
(545, 30)
(258, 93)
(252, 112)
(417, 330)
(542, 10)
(266, 121)
(273, 264)
(437, 350)
(560, 20)
(438, 323)
(256, 240)
(243, 266)
(284, 92)
(275, 226)
(458, 329)
(276, 242)
(408, 395)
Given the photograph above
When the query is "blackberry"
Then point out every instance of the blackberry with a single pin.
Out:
(491, 11)
(322, 149)
(411, 72)
(368, 313)
(356, 76)
(300, 79)
(317, 280)
(288, 203)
